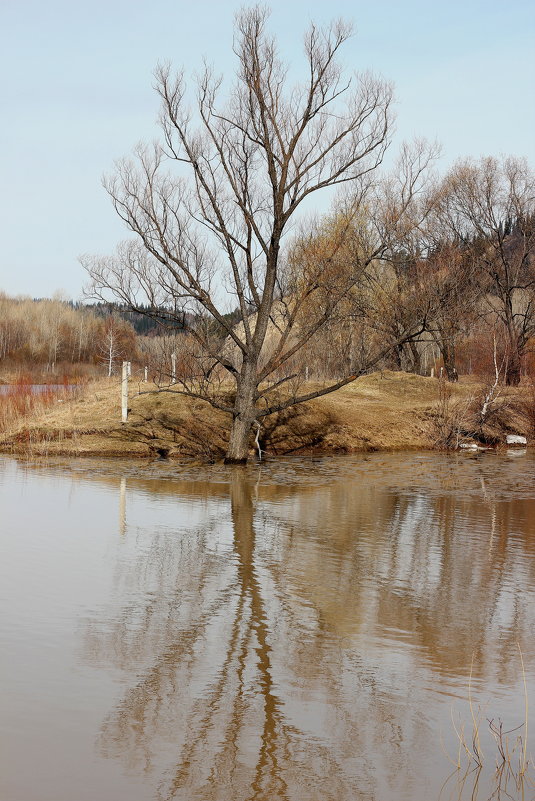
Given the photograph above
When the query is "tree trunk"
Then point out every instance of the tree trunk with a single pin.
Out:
(515, 347)
(447, 351)
(243, 416)
(238, 446)
(415, 357)
(513, 367)
(397, 353)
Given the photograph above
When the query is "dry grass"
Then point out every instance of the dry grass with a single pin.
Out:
(19, 402)
(483, 416)
(506, 759)
(382, 411)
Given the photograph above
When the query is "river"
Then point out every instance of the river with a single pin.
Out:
(311, 629)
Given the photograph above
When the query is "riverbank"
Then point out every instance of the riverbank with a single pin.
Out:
(382, 411)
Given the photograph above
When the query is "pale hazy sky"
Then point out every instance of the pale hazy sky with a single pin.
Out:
(76, 94)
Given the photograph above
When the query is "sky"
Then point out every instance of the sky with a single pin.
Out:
(76, 94)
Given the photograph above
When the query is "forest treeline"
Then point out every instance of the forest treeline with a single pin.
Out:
(456, 293)
(453, 288)
(59, 336)
(49, 334)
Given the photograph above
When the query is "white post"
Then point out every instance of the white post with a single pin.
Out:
(432, 372)
(124, 393)
(173, 368)
(129, 369)
(306, 373)
(146, 374)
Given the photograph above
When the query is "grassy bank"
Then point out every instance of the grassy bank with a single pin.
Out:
(382, 411)
(19, 402)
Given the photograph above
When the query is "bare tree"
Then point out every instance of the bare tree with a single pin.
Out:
(111, 346)
(395, 302)
(212, 231)
(490, 207)
(454, 291)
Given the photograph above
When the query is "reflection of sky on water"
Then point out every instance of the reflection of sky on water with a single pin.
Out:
(36, 389)
(228, 633)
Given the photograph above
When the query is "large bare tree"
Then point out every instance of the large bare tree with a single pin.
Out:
(211, 203)
(489, 207)
(453, 290)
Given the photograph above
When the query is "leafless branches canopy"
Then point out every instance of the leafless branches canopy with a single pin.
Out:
(210, 205)
(489, 208)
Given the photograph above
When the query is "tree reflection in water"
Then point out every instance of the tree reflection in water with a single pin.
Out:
(217, 709)
(280, 656)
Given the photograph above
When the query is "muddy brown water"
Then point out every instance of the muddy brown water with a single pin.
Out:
(307, 630)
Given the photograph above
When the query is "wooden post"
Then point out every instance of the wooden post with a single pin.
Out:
(173, 368)
(432, 372)
(124, 393)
